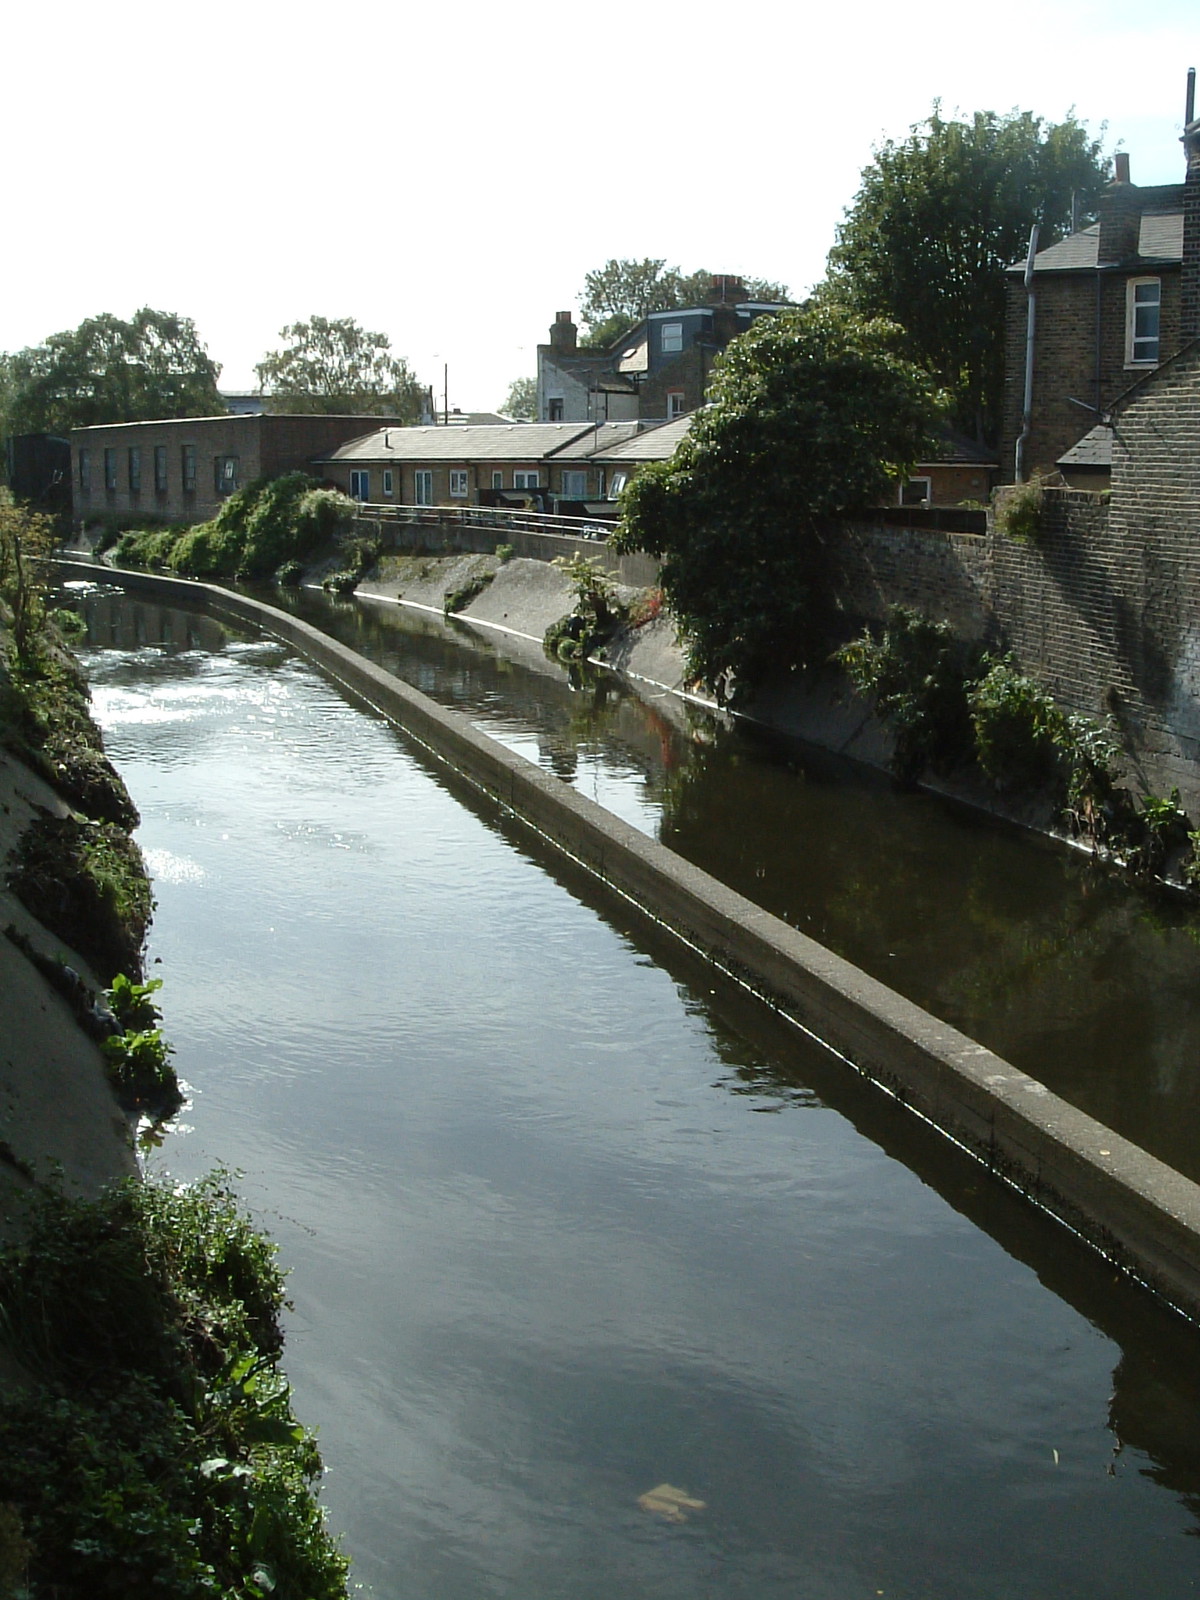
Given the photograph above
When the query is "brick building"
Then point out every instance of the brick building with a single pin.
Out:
(657, 371)
(1111, 303)
(182, 469)
(472, 465)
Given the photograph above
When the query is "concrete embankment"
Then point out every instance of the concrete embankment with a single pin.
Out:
(1134, 1209)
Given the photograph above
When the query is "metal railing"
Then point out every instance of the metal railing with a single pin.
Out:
(497, 517)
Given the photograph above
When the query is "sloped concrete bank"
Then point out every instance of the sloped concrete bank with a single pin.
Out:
(1135, 1210)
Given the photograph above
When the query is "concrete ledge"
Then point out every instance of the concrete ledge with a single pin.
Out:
(1140, 1213)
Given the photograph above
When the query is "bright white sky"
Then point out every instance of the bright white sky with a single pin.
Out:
(447, 174)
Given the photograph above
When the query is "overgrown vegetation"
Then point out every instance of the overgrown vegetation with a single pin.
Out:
(137, 1055)
(260, 528)
(86, 882)
(151, 1448)
(1019, 510)
(951, 708)
(458, 599)
(916, 674)
(359, 558)
(595, 616)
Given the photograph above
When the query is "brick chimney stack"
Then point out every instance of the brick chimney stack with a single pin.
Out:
(1120, 216)
(1189, 300)
(563, 334)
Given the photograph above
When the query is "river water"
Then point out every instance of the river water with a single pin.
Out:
(569, 1219)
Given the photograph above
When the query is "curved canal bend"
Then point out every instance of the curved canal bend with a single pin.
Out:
(549, 1252)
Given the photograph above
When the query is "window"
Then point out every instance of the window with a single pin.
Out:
(574, 485)
(225, 474)
(110, 471)
(423, 487)
(525, 480)
(554, 410)
(617, 483)
(85, 470)
(458, 484)
(388, 481)
(497, 480)
(672, 338)
(916, 492)
(1143, 300)
(188, 465)
(674, 404)
(160, 469)
(360, 484)
(135, 469)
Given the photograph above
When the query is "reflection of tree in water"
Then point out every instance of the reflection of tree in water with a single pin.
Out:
(1155, 1409)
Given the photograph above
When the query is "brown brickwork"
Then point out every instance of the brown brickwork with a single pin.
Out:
(261, 445)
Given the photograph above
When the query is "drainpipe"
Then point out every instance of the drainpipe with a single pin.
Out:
(1030, 324)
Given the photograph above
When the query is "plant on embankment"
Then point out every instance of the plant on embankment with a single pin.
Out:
(359, 558)
(86, 882)
(595, 616)
(459, 599)
(150, 1446)
(258, 529)
(916, 673)
(811, 414)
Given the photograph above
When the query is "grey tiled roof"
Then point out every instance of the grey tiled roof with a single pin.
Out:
(513, 441)
(1161, 236)
(655, 444)
(955, 449)
(1093, 450)
(596, 439)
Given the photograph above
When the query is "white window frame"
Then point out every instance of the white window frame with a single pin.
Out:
(389, 482)
(574, 483)
(616, 483)
(674, 404)
(526, 480)
(907, 483)
(1137, 343)
(671, 338)
(423, 486)
(460, 483)
(360, 484)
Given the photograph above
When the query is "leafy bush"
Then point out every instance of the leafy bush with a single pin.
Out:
(458, 599)
(505, 553)
(1019, 730)
(1019, 510)
(138, 1056)
(152, 1448)
(915, 673)
(289, 574)
(596, 615)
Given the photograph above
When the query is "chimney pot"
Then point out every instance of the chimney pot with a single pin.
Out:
(1121, 161)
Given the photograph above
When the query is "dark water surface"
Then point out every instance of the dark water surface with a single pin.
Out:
(569, 1219)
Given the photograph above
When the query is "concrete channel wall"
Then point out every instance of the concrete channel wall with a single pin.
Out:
(1138, 1212)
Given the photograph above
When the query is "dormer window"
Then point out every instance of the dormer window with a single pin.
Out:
(1143, 303)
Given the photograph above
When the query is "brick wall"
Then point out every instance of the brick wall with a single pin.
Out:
(873, 566)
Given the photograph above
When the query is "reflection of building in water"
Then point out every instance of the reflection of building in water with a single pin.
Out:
(114, 623)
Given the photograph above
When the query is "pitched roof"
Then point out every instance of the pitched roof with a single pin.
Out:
(1093, 450)
(512, 441)
(1160, 238)
(605, 436)
(955, 449)
(655, 444)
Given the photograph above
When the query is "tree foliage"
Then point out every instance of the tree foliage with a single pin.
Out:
(521, 401)
(810, 414)
(109, 370)
(336, 367)
(622, 292)
(937, 219)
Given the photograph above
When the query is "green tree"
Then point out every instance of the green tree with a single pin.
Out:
(937, 219)
(622, 292)
(338, 368)
(522, 400)
(810, 414)
(109, 370)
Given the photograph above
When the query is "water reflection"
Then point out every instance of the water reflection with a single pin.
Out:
(1086, 983)
(548, 1253)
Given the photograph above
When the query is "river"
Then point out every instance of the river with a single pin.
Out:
(570, 1219)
